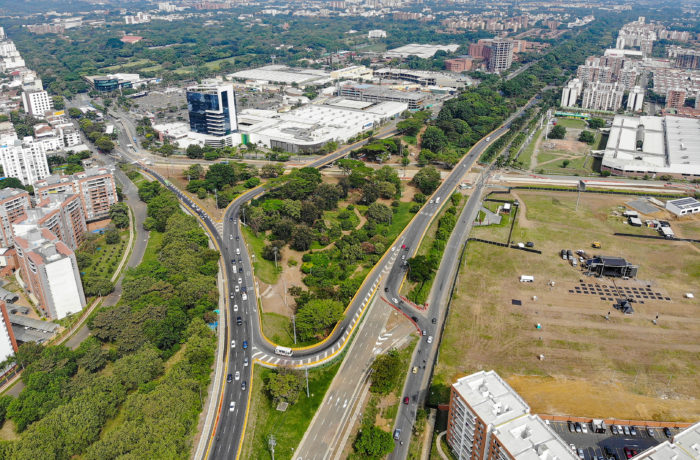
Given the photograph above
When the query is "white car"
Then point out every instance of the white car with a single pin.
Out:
(244, 296)
(232, 406)
(240, 280)
(233, 344)
(235, 307)
(237, 289)
(230, 237)
(237, 375)
(238, 251)
(245, 362)
(430, 339)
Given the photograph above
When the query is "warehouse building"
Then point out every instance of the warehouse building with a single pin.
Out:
(639, 146)
(374, 93)
(421, 51)
(683, 206)
(307, 129)
(281, 74)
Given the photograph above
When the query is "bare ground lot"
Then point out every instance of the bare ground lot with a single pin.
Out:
(625, 367)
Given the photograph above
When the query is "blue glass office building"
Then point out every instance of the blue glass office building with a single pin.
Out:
(212, 109)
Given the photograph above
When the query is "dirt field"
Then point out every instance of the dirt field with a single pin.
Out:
(623, 367)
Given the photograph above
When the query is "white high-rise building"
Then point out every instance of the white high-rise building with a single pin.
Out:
(571, 92)
(501, 56)
(35, 103)
(25, 159)
(8, 344)
(635, 100)
(602, 96)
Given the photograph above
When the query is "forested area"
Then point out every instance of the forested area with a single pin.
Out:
(321, 220)
(112, 396)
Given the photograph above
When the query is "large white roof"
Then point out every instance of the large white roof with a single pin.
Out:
(282, 74)
(491, 398)
(668, 145)
(529, 438)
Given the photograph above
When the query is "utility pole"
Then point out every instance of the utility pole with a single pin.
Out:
(271, 442)
(294, 328)
(276, 251)
(306, 370)
(216, 198)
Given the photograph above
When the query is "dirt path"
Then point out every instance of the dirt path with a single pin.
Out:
(273, 296)
(522, 213)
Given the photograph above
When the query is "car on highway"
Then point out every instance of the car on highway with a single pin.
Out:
(395, 300)
(239, 320)
(233, 344)
(415, 369)
(230, 237)
(430, 339)
(229, 378)
(244, 296)
(434, 320)
(238, 251)
(245, 344)
(237, 289)
(232, 295)
(243, 385)
(405, 400)
(397, 434)
(240, 280)
(424, 332)
(235, 307)
(237, 376)
(232, 406)
(240, 270)
(245, 361)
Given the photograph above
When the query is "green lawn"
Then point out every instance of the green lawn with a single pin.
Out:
(402, 217)
(264, 269)
(106, 258)
(278, 328)
(526, 155)
(155, 239)
(288, 427)
(571, 123)
(138, 63)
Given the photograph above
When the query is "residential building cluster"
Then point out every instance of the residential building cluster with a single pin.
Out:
(138, 18)
(488, 420)
(43, 234)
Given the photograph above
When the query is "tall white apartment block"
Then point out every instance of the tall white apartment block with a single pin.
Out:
(8, 344)
(50, 271)
(571, 92)
(635, 100)
(25, 159)
(501, 56)
(35, 103)
(14, 205)
(489, 421)
(602, 96)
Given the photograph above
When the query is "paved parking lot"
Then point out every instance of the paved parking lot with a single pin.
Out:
(593, 444)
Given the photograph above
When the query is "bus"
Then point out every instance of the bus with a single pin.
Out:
(284, 351)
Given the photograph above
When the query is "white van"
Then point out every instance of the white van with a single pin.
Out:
(244, 296)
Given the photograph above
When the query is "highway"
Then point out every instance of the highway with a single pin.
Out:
(227, 237)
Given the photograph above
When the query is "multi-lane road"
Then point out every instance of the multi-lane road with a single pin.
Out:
(243, 324)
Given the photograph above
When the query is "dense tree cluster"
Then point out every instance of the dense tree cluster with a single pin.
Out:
(285, 384)
(227, 179)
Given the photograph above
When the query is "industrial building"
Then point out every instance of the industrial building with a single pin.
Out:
(646, 145)
(489, 420)
(423, 77)
(611, 266)
(212, 109)
(421, 51)
(308, 128)
(683, 206)
(281, 74)
(374, 93)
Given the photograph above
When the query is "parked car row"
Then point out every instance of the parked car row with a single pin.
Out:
(622, 430)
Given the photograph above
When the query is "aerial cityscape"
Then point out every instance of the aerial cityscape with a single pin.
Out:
(355, 229)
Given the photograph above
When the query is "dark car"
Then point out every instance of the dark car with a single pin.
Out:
(609, 451)
(613, 429)
(243, 385)
(633, 431)
(245, 344)
(530, 244)
(240, 269)
(667, 432)
(434, 320)
(229, 378)
(239, 320)
(405, 400)
(578, 427)
(397, 433)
